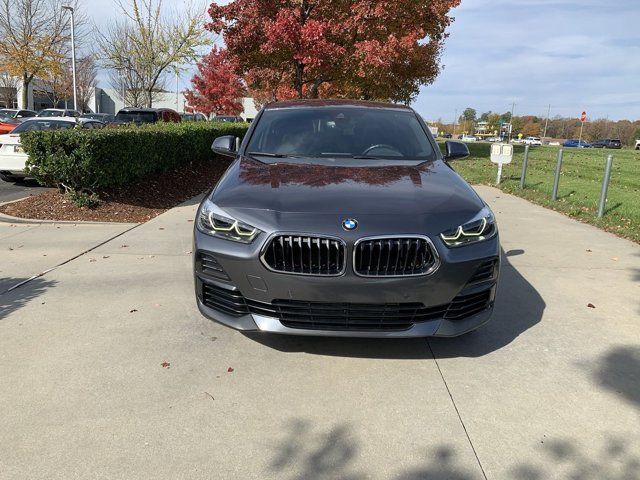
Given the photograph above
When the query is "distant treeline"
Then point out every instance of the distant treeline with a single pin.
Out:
(558, 127)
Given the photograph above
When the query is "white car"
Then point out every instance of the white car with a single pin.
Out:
(12, 156)
(58, 112)
(468, 138)
(533, 141)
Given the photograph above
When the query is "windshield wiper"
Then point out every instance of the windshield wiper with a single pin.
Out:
(365, 157)
(274, 155)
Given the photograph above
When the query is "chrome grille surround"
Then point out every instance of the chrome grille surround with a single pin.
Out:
(308, 240)
(387, 239)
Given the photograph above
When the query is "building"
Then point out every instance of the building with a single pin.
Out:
(108, 100)
(103, 100)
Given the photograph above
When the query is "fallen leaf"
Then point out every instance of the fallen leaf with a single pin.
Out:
(589, 250)
(165, 364)
(615, 259)
(161, 228)
(591, 305)
(133, 310)
(105, 256)
(124, 246)
(229, 370)
(92, 260)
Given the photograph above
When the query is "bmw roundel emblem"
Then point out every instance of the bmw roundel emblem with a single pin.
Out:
(349, 224)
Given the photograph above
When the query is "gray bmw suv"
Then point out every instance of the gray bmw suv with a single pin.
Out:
(343, 218)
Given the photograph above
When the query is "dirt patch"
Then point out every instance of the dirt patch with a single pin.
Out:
(136, 203)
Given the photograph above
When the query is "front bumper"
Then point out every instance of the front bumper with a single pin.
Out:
(250, 279)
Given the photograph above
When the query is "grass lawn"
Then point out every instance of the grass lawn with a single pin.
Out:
(580, 183)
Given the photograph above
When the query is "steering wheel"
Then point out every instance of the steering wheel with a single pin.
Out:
(381, 145)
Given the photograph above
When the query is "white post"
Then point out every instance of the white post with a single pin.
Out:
(73, 56)
(499, 173)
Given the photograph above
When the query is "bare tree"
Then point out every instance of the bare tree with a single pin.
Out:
(130, 89)
(86, 74)
(57, 85)
(35, 38)
(8, 89)
(149, 40)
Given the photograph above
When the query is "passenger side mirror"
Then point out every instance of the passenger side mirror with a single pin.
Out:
(455, 150)
(225, 145)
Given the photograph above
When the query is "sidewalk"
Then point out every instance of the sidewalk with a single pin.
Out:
(548, 389)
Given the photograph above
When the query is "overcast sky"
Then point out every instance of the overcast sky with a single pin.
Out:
(573, 54)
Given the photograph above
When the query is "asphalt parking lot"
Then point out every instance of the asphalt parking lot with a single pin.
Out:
(10, 191)
(109, 371)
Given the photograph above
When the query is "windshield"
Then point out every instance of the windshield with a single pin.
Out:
(345, 132)
(7, 113)
(222, 118)
(50, 113)
(32, 125)
(136, 117)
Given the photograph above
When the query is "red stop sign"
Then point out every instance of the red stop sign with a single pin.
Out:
(583, 117)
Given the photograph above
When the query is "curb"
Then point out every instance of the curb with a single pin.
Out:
(4, 218)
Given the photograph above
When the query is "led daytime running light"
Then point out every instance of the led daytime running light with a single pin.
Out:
(461, 233)
(234, 227)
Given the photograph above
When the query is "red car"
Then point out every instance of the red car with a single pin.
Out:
(10, 118)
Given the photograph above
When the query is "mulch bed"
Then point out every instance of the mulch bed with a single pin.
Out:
(135, 203)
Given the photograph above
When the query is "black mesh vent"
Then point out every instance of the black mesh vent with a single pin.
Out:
(305, 255)
(207, 264)
(464, 306)
(393, 257)
(485, 272)
(228, 301)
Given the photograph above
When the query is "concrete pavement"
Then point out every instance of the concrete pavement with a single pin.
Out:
(108, 371)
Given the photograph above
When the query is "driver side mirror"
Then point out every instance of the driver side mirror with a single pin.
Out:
(225, 145)
(455, 150)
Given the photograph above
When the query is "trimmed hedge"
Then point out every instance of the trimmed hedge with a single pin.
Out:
(89, 160)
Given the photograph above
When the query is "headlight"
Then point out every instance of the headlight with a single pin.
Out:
(216, 222)
(479, 228)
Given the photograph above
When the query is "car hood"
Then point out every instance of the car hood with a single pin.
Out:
(357, 187)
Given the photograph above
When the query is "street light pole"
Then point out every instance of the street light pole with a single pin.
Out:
(73, 55)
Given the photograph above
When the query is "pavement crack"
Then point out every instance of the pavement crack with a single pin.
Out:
(25, 282)
(464, 427)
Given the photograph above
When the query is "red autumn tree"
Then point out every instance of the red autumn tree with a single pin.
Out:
(216, 87)
(370, 49)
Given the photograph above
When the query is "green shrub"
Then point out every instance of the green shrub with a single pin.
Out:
(90, 160)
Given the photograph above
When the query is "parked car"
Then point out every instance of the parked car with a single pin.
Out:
(105, 118)
(12, 156)
(227, 118)
(141, 116)
(468, 138)
(58, 112)
(607, 143)
(17, 113)
(343, 218)
(10, 118)
(573, 143)
(533, 141)
(494, 139)
(193, 117)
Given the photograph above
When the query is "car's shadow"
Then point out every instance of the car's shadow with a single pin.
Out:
(518, 307)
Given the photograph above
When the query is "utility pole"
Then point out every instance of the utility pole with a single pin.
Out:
(513, 108)
(177, 88)
(73, 55)
(546, 123)
(455, 121)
